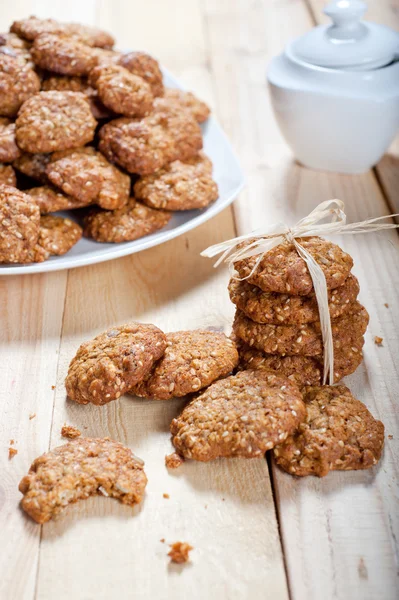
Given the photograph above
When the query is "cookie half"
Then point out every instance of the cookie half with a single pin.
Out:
(338, 434)
(242, 415)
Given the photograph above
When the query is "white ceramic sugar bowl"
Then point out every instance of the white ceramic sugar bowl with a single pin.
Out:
(335, 91)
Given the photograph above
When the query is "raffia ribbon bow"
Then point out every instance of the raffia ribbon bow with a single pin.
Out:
(327, 218)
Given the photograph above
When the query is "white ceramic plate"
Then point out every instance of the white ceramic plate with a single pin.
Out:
(226, 172)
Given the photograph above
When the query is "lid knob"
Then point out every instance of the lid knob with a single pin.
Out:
(346, 15)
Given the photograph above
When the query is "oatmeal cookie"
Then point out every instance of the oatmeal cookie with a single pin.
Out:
(113, 362)
(303, 339)
(179, 186)
(32, 27)
(282, 270)
(65, 83)
(63, 54)
(87, 176)
(274, 308)
(7, 175)
(50, 200)
(18, 82)
(57, 235)
(133, 221)
(242, 415)
(81, 468)
(9, 150)
(53, 121)
(121, 91)
(303, 370)
(145, 66)
(192, 361)
(33, 165)
(145, 145)
(186, 101)
(19, 225)
(338, 434)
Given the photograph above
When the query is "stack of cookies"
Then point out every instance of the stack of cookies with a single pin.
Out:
(84, 125)
(277, 324)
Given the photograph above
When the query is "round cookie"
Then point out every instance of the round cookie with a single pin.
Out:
(18, 82)
(7, 175)
(282, 270)
(304, 339)
(145, 66)
(270, 307)
(32, 27)
(339, 434)
(242, 415)
(53, 121)
(179, 186)
(63, 54)
(19, 225)
(9, 150)
(65, 83)
(81, 468)
(57, 235)
(113, 362)
(50, 200)
(302, 370)
(192, 361)
(122, 92)
(133, 221)
(186, 101)
(86, 175)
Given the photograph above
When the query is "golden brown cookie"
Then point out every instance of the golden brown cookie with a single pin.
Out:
(122, 92)
(63, 54)
(192, 361)
(19, 225)
(66, 83)
(282, 270)
(274, 308)
(87, 176)
(32, 27)
(57, 235)
(302, 370)
(113, 362)
(179, 186)
(53, 121)
(133, 221)
(50, 199)
(186, 101)
(33, 165)
(18, 82)
(338, 434)
(145, 145)
(7, 175)
(81, 468)
(145, 66)
(9, 150)
(242, 415)
(301, 339)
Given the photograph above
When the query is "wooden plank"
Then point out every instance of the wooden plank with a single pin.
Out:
(387, 170)
(225, 509)
(338, 533)
(31, 309)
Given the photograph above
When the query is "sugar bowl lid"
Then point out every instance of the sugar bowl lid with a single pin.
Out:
(348, 43)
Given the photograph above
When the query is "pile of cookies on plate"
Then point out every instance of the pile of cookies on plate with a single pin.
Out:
(81, 125)
(277, 322)
(240, 402)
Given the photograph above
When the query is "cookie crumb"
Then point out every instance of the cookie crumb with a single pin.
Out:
(12, 452)
(386, 305)
(390, 437)
(179, 552)
(70, 432)
(162, 540)
(32, 416)
(378, 340)
(53, 387)
(173, 461)
(166, 496)
(12, 442)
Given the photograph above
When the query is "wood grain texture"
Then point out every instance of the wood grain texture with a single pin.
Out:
(339, 534)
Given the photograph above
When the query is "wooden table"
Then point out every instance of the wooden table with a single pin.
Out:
(258, 533)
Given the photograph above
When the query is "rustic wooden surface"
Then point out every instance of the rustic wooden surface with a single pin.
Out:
(338, 535)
